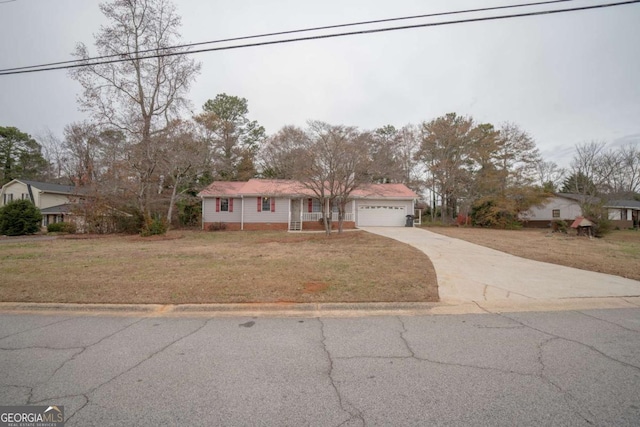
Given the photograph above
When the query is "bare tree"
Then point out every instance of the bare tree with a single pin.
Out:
(182, 165)
(281, 153)
(82, 148)
(630, 164)
(54, 153)
(333, 166)
(549, 175)
(140, 96)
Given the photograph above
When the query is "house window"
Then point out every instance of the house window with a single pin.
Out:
(224, 205)
(314, 205)
(266, 204)
(25, 196)
(556, 213)
(8, 198)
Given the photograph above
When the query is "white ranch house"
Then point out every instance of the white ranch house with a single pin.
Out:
(260, 204)
(566, 207)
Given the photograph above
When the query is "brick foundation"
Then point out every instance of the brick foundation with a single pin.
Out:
(236, 226)
(253, 226)
(317, 225)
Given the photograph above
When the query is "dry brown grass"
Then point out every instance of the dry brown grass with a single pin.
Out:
(223, 267)
(617, 253)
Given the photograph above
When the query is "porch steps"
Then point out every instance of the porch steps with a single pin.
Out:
(295, 226)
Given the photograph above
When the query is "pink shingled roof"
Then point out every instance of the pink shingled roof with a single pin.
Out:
(385, 190)
(222, 188)
(257, 187)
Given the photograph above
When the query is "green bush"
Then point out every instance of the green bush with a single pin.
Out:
(19, 217)
(189, 212)
(560, 226)
(61, 227)
(154, 226)
(599, 215)
(129, 224)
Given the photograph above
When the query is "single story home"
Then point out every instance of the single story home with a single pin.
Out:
(624, 213)
(266, 204)
(560, 206)
(53, 200)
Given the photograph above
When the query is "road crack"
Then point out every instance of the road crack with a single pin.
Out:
(36, 328)
(347, 407)
(609, 322)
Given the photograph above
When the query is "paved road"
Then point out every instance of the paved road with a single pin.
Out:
(556, 368)
(469, 272)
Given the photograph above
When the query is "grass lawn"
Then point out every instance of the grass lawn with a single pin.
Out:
(221, 267)
(617, 253)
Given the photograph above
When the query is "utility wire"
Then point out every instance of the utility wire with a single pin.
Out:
(281, 33)
(327, 36)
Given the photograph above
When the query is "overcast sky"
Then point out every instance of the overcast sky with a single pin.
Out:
(566, 78)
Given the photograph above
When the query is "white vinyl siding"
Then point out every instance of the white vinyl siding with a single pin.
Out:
(251, 214)
(209, 213)
(41, 200)
(569, 209)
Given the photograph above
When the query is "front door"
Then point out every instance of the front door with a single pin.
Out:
(295, 210)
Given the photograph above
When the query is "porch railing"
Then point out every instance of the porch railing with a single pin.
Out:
(317, 216)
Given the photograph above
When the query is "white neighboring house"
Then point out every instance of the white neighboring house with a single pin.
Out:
(561, 206)
(624, 213)
(53, 200)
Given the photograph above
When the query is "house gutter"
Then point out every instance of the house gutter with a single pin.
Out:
(242, 213)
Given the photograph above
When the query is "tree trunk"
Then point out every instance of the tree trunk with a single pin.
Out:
(173, 199)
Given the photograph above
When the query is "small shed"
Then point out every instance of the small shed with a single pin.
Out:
(583, 226)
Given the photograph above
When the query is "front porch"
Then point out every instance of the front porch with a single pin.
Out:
(306, 214)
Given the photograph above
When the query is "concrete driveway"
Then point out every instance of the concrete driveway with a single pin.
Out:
(468, 272)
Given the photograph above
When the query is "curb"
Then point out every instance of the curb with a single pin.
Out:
(322, 309)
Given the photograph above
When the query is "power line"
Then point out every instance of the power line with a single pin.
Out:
(327, 36)
(280, 33)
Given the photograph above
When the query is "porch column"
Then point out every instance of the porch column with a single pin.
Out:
(242, 213)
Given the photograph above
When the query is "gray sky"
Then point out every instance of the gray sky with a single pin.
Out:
(566, 78)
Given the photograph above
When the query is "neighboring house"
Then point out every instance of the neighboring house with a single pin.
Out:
(53, 200)
(561, 206)
(624, 213)
(260, 204)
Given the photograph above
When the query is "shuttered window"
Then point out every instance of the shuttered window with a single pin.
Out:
(266, 204)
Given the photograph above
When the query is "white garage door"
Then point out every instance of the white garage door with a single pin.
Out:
(381, 215)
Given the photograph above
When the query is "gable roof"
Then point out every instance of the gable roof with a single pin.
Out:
(581, 222)
(580, 198)
(58, 209)
(285, 187)
(47, 187)
(623, 204)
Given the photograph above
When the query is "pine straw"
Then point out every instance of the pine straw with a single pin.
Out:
(220, 267)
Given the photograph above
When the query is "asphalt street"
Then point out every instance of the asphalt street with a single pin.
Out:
(528, 368)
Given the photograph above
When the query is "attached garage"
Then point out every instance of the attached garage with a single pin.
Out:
(383, 213)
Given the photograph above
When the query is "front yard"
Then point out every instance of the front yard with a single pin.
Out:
(223, 267)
